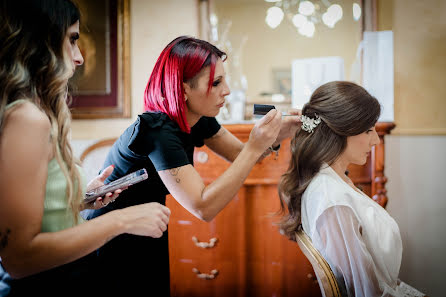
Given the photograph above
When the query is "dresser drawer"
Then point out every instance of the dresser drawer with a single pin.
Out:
(268, 171)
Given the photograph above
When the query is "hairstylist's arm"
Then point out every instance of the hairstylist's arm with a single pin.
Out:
(24, 249)
(205, 202)
(225, 144)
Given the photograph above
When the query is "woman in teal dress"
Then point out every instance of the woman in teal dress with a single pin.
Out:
(45, 246)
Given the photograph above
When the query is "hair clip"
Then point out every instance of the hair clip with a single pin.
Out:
(308, 124)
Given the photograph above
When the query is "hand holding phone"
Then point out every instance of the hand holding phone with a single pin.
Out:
(123, 182)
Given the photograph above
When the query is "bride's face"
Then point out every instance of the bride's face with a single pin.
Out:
(359, 146)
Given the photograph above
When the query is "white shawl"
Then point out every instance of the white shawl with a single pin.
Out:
(356, 236)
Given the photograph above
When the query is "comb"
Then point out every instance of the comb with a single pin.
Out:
(262, 109)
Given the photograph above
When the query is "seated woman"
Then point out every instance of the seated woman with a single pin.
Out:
(356, 236)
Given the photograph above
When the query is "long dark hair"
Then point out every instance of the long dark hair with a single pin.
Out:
(33, 66)
(180, 61)
(345, 109)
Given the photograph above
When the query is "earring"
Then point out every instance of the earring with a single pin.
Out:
(185, 98)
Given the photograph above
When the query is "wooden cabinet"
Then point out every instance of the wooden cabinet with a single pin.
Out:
(250, 257)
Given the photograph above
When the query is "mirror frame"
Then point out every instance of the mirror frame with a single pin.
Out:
(92, 106)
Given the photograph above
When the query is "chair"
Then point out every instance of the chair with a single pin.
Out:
(325, 277)
(93, 157)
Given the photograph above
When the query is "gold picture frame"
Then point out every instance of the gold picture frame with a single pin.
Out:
(104, 91)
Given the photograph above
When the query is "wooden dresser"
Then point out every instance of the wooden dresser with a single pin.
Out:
(241, 253)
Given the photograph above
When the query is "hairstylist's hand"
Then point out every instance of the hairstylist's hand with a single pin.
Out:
(265, 131)
(97, 182)
(289, 126)
(149, 219)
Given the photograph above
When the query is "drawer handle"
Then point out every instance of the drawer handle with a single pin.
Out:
(212, 275)
(202, 157)
(312, 277)
(203, 244)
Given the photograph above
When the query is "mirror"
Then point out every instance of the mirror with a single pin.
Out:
(260, 58)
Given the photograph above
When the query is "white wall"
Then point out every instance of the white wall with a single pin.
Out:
(415, 158)
(415, 167)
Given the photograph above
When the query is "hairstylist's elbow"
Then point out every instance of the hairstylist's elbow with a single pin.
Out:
(204, 214)
(207, 218)
(202, 208)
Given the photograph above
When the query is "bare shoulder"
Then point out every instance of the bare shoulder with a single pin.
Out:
(28, 114)
(25, 127)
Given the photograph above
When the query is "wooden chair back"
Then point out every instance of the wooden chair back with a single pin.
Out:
(93, 157)
(325, 276)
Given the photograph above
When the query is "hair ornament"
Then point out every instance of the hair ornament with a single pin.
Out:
(308, 124)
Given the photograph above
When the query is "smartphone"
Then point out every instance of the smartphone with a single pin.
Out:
(125, 181)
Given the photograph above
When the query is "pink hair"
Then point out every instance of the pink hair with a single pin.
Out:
(180, 61)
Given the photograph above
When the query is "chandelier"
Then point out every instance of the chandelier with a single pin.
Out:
(305, 14)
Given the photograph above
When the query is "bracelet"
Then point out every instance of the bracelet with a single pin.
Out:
(275, 150)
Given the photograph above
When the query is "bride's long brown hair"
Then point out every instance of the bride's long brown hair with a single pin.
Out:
(346, 109)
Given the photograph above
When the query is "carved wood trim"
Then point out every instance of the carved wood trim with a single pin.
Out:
(379, 180)
(99, 144)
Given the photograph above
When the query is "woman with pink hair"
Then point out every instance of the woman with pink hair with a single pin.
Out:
(185, 92)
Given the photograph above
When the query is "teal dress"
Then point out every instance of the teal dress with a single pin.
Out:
(66, 280)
